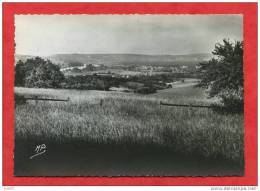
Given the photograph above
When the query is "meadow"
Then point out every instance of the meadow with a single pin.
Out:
(127, 129)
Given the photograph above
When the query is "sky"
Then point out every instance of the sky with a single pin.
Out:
(44, 35)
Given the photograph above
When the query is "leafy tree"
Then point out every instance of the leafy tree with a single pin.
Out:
(37, 72)
(223, 74)
(19, 74)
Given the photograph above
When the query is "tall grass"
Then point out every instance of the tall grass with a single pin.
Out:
(129, 119)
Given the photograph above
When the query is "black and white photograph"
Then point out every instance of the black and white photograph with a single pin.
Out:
(129, 95)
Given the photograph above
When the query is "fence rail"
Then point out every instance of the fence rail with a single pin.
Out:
(101, 102)
(45, 99)
(185, 105)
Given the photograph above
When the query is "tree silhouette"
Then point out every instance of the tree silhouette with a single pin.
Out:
(223, 74)
(37, 72)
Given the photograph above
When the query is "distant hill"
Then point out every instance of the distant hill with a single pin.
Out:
(64, 60)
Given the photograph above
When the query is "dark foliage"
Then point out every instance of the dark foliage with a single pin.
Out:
(38, 73)
(139, 84)
(19, 99)
(146, 90)
(223, 74)
(20, 72)
(88, 82)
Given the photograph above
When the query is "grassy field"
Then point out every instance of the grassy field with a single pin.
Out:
(128, 123)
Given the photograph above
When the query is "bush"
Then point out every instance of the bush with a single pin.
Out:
(145, 90)
(233, 100)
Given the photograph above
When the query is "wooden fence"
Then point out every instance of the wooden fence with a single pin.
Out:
(36, 98)
(185, 105)
(45, 99)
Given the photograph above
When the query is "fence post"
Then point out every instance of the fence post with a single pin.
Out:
(36, 100)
